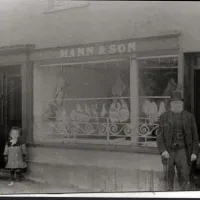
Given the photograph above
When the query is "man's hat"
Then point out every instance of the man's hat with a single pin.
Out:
(176, 96)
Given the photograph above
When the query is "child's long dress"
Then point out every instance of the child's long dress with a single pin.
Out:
(15, 156)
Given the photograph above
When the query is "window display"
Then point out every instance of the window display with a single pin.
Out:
(157, 81)
(84, 101)
(90, 102)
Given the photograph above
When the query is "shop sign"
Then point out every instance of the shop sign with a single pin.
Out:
(101, 49)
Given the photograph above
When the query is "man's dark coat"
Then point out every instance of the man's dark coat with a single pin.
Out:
(165, 132)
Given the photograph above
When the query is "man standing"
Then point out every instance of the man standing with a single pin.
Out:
(177, 141)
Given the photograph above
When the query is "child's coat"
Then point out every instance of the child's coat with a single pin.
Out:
(15, 156)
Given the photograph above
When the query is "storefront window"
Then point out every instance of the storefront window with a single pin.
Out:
(158, 77)
(82, 102)
(94, 102)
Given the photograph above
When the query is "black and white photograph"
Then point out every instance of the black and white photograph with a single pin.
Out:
(99, 96)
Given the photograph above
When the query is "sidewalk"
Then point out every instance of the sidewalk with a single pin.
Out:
(27, 187)
(31, 187)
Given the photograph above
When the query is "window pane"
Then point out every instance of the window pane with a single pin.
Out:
(158, 77)
(89, 102)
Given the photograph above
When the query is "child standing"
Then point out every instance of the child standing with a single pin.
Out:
(15, 155)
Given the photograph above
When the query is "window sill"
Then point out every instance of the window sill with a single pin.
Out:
(102, 147)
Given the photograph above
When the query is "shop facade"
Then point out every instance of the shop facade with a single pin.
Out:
(104, 97)
(100, 96)
(104, 93)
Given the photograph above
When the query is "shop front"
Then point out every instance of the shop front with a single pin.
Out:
(108, 93)
(101, 96)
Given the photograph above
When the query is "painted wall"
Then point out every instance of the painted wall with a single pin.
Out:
(24, 21)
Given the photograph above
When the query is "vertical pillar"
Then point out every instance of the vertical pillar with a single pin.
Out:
(27, 101)
(134, 98)
(30, 102)
(24, 101)
(181, 66)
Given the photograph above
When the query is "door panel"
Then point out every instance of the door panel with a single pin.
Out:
(10, 104)
(13, 101)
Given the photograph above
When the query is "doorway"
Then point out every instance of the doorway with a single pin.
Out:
(10, 103)
(197, 98)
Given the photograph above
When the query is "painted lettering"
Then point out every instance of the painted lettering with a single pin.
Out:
(64, 53)
(81, 52)
(72, 53)
(98, 50)
(89, 51)
(102, 50)
(112, 49)
(121, 48)
(131, 47)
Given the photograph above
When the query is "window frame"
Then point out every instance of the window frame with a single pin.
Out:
(111, 146)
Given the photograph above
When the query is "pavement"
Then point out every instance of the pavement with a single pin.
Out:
(27, 187)
(31, 187)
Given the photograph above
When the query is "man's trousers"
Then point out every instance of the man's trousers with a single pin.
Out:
(178, 158)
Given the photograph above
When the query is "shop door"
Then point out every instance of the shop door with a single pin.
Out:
(10, 104)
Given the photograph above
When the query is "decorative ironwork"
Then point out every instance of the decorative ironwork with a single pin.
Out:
(99, 130)
(147, 129)
(86, 128)
(76, 129)
(116, 129)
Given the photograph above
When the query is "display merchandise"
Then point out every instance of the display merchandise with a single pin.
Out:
(155, 87)
(118, 88)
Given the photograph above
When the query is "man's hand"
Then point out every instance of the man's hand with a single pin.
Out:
(165, 155)
(193, 157)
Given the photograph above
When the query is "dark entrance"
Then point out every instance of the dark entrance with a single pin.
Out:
(10, 103)
(197, 97)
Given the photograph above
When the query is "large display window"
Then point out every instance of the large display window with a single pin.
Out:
(158, 78)
(93, 102)
(84, 102)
